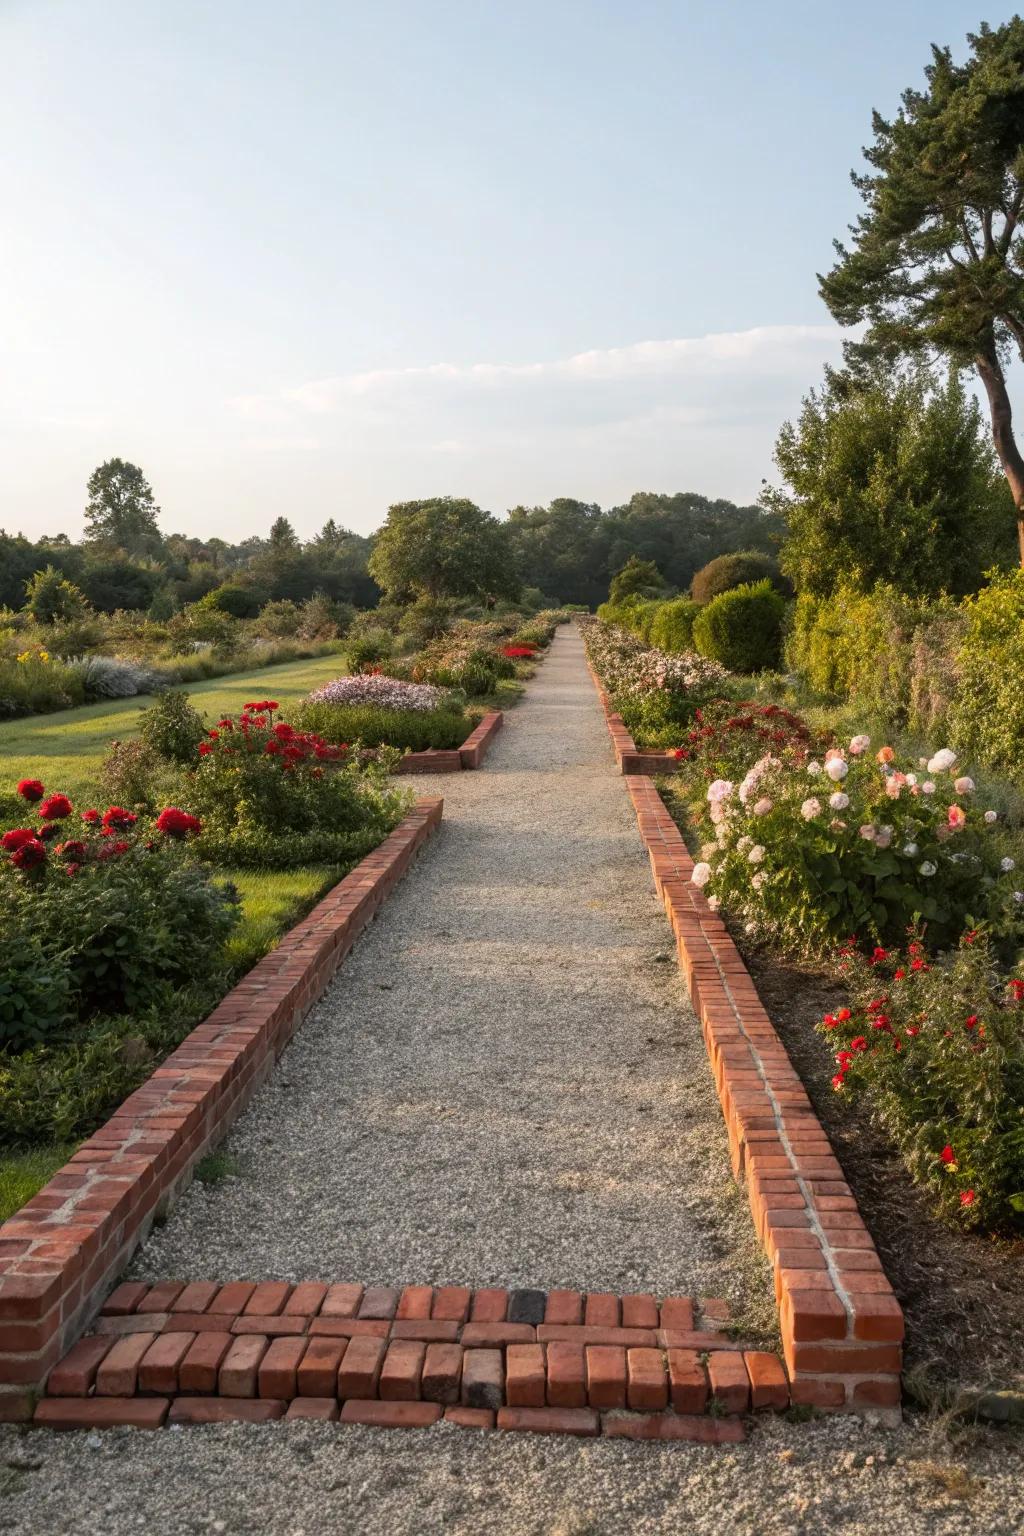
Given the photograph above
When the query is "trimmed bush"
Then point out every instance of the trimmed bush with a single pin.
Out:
(414, 729)
(672, 625)
(736, 570)
(742, 628)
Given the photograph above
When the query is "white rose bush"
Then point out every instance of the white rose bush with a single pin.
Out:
(809, 853)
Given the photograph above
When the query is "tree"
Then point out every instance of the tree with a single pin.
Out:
(51, 599)
(283, 537)
(735, 570)
(638, 578)
(936, 266)
(113, 584)
(889, 479)
(444, 547)
(121, 513)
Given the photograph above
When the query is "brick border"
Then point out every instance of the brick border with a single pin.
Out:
(557, 1361)
(628, 756)
(60, 1253)
(470, 755)
(842, 1326)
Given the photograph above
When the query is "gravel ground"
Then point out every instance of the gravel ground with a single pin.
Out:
(317, 1480)
(505, 1085)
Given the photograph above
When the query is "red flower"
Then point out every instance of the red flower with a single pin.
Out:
(120, 846)
(55, 808)
(205, 749)
(31, 790)
(912, 1029)
(272, 747)
(919, 965)
(91, 817)
(970, 1021)
(175, 823)
(948, 1156)
(213, 735)
(830, 1021)
(12, 841)
(837, 1082)
(283, 731)
(29, 854)
(967, 1197)
(72, 849)
(48, 831)
(227, 724)
(117, 816)
(878, 955)
(899, 975)
(842, 1015)
(72, 870)
(858, 1044)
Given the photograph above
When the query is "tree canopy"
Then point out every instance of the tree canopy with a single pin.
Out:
(442, 547)
(936, 264)
(121, 512)
(888, 478)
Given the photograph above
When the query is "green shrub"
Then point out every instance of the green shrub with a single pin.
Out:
(412, 729)
(741, 569)
(742, 628)
(274, 798)
(172, 728)
(133, 774)
(51, 599)
(35, 986)
(941, 1066)
(240, 602)
(34, 682)
(987, 717)
(367, 649)
(672, 625)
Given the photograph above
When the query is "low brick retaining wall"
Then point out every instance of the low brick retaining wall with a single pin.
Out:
(555, 1362)
(841, 1324)
(627, 754)
(470, 755)
(62, 1251)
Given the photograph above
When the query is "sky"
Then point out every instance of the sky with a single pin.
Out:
(310, 259)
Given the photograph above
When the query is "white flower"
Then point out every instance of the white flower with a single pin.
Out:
(701, 875)
(758, 880)
(991, 816)
(859, 744)
(911, 778)
(1007, 864)
(868, 832)
(964, 785)
(927, 868)
(922, 762)
(839, 801)
(883, 837)
(814, 769)
(910, 849)
(708, 850)
(749, 927)
(810, 809)
(756, 854)
(941, 761)
(1018, 896)
(744, 843)
(763, 806)
(837, 768)
(928, 787)
(714, 903)
(720, 790)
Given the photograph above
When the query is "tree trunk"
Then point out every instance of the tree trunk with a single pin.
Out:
(1001, 413)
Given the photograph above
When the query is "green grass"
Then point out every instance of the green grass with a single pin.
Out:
(272, 902)
(23, 1174)
(65, 749)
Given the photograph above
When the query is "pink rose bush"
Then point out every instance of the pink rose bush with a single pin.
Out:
(654, 692)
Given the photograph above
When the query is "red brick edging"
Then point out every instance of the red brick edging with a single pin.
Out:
(549, 1361)
(470, 755)
(60, 1253)
(842, 1326)
(628, 756)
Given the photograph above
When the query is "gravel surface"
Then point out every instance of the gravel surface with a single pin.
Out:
(317, 1480)
(506, 1084)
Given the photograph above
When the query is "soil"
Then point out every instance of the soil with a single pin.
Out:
(961, 1292)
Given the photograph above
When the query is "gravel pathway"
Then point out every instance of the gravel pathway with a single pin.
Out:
(505, 1084)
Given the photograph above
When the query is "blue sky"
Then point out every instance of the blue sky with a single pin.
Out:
(314, 258)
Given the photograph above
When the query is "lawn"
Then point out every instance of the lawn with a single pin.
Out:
(65, 749)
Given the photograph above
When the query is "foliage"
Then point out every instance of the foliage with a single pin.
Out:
(231, 597)
(115, 583)
(367, 648)
(121, 512)
(742, 628)
(272, 797)
(34, 682)
(656, 694)
(672, 625)
(445, 547)
(889, 479)
(734, 570)
(937, 1050)
(51, 599)
(855, 845)
(987, 715)
(135, 775)
(114, 920)
(373, 725)
(172, 728)
(725, 738)
(935, 264)
(111, 677)
(637, 578)
(458, 661)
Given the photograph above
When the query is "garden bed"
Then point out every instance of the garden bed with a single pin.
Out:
(59, 1254)
(469, 755)
(960, 1290)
